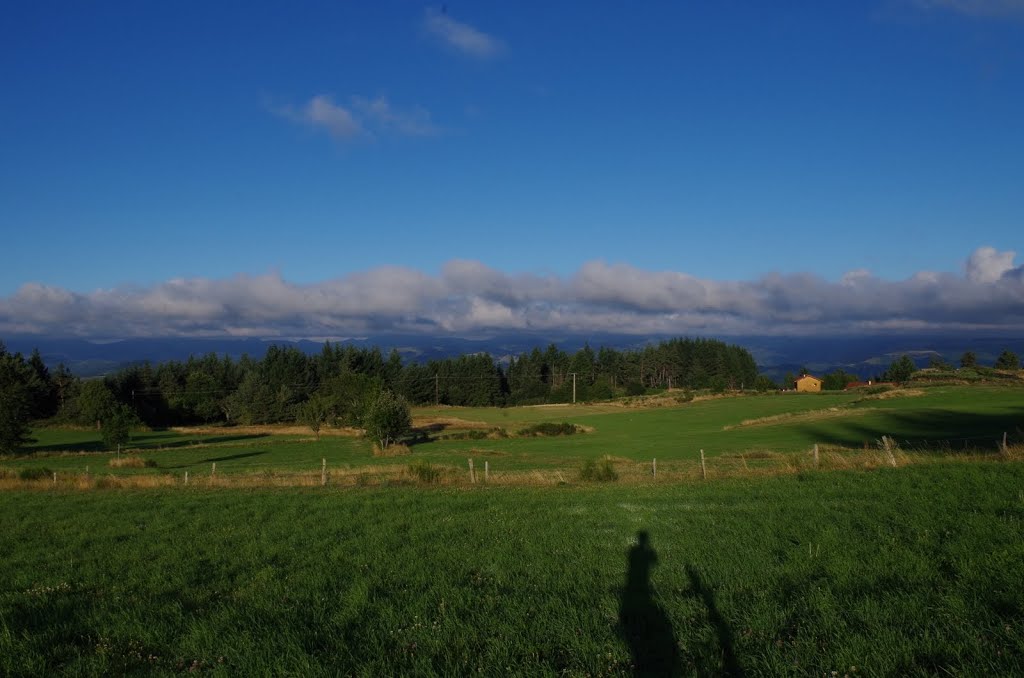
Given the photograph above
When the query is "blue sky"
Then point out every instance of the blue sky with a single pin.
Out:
(152, 150)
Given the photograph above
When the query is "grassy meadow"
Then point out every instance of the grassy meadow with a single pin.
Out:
(734, 432)
(909, 571)
(400, 566)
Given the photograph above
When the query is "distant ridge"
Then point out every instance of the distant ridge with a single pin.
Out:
(775, 355)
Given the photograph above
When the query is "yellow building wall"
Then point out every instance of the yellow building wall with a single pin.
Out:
(808, 384)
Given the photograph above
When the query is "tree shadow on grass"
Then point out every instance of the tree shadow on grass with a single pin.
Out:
(202, 440)
(643, 624)
(423, 434)
(940, 429)
(143, 443)
(210, 460)
(86, 446)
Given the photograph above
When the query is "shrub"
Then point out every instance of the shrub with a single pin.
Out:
(603, 471)
(496, 433)
(549, 428)
(684, 397)
(35, 473)
(425, 472)
(635, 388)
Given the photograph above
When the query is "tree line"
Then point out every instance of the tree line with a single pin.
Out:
(339, 383)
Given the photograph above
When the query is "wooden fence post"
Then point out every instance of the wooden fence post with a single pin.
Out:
(323, 472)
(887, 444)
(213, 471)
(54, 477)
(703, 468)
(654, 467)
(817, 460)
(487, 471)
(186, 477)
(472, 473)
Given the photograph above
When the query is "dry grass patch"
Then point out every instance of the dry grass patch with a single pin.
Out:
(484, 452)
(130, 461)
(393, 450)
(800, 417)
(895, 393)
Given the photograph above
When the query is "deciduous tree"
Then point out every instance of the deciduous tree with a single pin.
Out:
(900, 370)
(313, 413)
(1007, 360)
(388, 418)
(117, 426)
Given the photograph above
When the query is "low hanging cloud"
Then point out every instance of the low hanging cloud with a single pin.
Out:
(469, 297)
(461, 37)
(361, 117)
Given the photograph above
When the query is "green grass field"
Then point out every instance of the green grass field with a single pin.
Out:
(938, 419)
(911, 571)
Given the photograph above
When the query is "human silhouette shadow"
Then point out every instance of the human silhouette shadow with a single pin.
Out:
(643, 624)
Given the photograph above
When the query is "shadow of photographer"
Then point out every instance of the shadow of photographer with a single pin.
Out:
(643, 624)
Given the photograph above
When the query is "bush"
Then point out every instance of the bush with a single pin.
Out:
(601, 472)
(425, 472)
(684, 397)
(496, 433)
(635, 388)
(549, 428)
(35, 473)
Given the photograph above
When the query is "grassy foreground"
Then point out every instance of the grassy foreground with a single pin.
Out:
(897, 571)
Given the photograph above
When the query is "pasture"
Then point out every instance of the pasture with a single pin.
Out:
(733, 432)
(388, 571)
(909, 571)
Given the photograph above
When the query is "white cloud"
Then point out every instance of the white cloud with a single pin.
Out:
(363, 117)
(987, 264)
(322, 112)
(468, 296)
(461, 36)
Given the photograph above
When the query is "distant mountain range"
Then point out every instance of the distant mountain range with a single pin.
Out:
(865, 356)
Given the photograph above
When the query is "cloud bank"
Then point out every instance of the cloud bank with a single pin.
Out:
(469, 297)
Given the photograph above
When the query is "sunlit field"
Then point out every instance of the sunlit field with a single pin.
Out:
(732, 431)
(890, 572)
